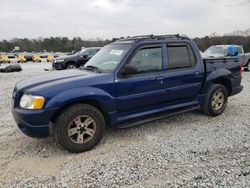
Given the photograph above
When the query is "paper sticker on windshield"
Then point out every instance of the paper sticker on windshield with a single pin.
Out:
(116, 52)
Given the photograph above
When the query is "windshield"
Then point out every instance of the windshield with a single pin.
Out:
(216, 50)
(80, 52)
(109, 57)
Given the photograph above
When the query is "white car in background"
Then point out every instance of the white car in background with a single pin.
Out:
(221, 51)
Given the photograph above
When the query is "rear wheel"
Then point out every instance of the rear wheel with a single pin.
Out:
(216, 100)
(79, 128)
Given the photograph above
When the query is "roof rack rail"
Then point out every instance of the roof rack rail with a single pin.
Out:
(156, 37)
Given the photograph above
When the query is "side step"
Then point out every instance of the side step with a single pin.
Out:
(151, 118)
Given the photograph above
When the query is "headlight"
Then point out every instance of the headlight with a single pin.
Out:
(31, 102)
(58, 60)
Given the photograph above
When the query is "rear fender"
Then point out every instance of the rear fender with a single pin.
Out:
(214, 76)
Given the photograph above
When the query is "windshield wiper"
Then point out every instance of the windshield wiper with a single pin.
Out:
(93, 68)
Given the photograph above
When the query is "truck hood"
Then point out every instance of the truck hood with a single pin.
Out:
(58, 81)
(66, 57)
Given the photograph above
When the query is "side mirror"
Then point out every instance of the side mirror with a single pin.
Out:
(84, 56)
(129, 69)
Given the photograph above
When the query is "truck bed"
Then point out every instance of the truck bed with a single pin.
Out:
(230, 63)
(229, 66)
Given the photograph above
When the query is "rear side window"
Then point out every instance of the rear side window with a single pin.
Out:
(180, 56)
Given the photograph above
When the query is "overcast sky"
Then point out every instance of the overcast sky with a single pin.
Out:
(115, 18)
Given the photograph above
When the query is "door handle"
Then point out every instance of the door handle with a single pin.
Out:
(160, 78)
(197, 73)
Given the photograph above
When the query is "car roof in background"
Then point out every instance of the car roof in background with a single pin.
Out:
(227, 45)
(92, 48)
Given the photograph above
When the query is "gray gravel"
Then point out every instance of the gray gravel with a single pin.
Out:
(188, 150)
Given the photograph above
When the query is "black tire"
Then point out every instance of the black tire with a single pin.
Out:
(70, 66)
(67, 118)
(81, 66)
(248, 65)
(207, 107)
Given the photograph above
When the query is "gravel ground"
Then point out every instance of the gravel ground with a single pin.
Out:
(188, 150)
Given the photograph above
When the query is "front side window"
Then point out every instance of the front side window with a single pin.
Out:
(180, 56)
(147, 60)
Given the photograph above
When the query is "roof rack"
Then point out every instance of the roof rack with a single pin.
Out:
(156, 37)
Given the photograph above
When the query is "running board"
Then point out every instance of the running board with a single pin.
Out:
(132, 123)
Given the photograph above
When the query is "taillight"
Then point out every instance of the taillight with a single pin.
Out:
(241, 69)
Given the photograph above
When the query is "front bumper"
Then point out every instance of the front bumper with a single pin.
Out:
(57, 66)
(33, 123)
(236, 90)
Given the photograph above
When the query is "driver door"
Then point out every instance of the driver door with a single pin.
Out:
(143, 89)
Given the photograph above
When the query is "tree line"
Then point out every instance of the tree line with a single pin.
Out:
(52, 44)
(64, 44)
(205, 42)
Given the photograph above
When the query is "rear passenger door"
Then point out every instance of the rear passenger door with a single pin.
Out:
(184, 75)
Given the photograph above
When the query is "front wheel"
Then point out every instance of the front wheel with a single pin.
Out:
(79, 128)
(216, 100)
(70, 66)
(81, 67)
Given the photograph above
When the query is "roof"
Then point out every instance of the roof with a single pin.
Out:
(150, 38)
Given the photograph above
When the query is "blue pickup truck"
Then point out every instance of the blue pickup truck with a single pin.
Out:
(128, 82)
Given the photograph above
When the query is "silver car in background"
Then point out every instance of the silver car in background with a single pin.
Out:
(221, 51)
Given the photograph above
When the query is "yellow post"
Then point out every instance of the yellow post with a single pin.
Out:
(50, 57)
(21, 58)
(36, 58)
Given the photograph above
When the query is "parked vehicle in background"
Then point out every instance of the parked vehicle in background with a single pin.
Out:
(128, 82)
(11, 55)
(76, 60)
(43, 54)
(4, 58)
(36, 57)
(21, 58)
(28, 56)
(221, 51)
(57, 54)
(70, 53)
(245, 59)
